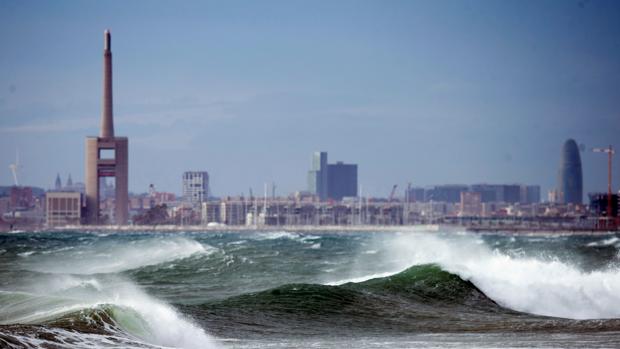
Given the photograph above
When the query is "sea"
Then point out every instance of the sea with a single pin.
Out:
(311, 289)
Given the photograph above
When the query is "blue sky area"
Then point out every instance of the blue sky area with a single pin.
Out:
(428, 92)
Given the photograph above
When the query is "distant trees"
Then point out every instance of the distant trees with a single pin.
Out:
(154, 216)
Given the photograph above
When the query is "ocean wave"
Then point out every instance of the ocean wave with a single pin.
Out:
(114, 305)
(420, 298)
(423, 284)
(527, 284)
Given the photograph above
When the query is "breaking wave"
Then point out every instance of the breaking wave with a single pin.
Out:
(536, 285)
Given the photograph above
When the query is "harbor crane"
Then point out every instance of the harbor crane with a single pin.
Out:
(610, 152)
(393, 192)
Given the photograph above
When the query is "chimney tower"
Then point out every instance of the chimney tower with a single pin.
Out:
(107, 120)
(107, 156)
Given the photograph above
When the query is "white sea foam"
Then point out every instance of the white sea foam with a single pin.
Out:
(605, 242)
(544, 287)
(113, 257)
(362, 278)
(276, 235)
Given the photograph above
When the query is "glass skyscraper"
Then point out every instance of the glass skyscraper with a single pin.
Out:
(570, 181)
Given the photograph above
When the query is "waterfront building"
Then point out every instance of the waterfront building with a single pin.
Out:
(22, 198)
(233, 211)
(416, 195)
(471, 204)
(107, 155)
(210, 212)
(570, 180)
(510, 193)
(445, 193)
(195, 186)
(530, 194)
(555, 196)
(599, 204)
(63, 208)
(341, 180)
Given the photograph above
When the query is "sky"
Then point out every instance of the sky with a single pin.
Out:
(421, 92)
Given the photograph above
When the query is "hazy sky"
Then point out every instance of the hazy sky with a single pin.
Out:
(428, 92)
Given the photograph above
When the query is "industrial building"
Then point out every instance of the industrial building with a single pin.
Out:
(107, 155)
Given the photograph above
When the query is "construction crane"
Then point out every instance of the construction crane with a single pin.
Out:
(610, 152)
(393, 192)
(15, 168)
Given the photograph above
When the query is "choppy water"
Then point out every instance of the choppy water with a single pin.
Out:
(320, 290)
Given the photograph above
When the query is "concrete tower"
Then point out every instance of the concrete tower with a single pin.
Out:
(107, 155)
(570, 181)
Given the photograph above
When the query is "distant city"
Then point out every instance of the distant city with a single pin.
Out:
(333, 196)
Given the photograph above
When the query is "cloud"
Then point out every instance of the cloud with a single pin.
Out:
(63, 125)
(161, 115)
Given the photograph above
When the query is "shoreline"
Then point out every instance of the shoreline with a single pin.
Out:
(422, 228)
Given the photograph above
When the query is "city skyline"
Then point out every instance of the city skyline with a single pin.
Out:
(387, 75)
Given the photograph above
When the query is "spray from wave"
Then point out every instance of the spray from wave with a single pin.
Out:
(112, 257)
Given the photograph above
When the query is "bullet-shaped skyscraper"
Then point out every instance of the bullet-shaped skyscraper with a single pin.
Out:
(107, 155)
(570, 181)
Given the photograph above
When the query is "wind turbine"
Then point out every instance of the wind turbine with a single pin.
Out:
(15, 168)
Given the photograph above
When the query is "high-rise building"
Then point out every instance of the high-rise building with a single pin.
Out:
(317, 176)
(341, 180)
(331, 181)
(107, 155)
(570, 180)
(195, 186)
